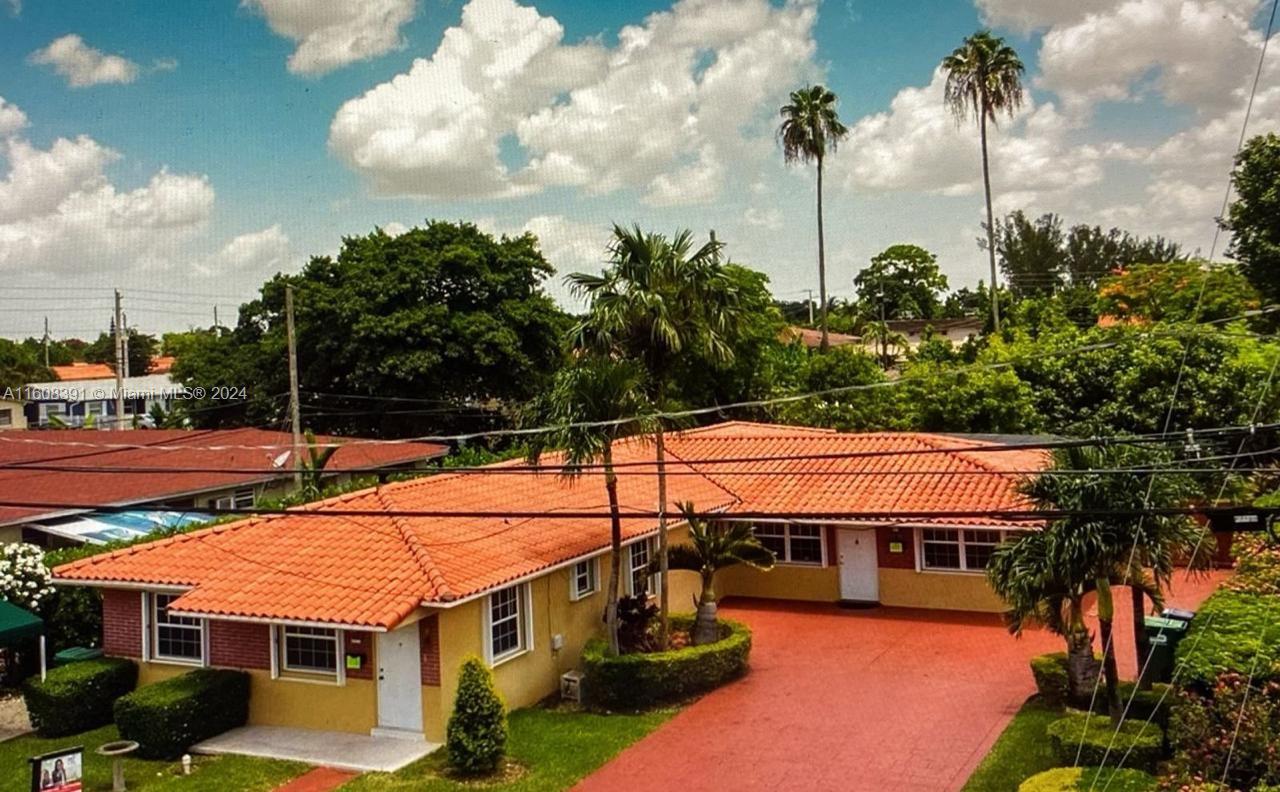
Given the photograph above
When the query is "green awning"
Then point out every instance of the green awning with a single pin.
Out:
(18, 625)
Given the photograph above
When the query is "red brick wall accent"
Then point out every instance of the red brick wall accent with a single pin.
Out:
(361, 643)
(429, 646)
(239, 644)
(907, 558)
(122, 623)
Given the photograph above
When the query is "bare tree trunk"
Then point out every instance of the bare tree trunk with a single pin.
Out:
(663, 613)
(991, 228)
(1106, 614)
(615, 558)
(1082, 666)
(1140, 643)
(822, 263)
(705, 630)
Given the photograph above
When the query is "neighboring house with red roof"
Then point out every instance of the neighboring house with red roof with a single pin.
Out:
(68, 470)
(381, 607)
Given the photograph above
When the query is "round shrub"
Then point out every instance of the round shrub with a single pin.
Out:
(1052, 680)
(77, 697)
(1070, 779)
(477, 731)
(637, 681)
(24, 579)
(169, 717)
(1146, 741)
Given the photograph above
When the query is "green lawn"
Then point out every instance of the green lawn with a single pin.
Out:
(211, 773)
(555, 748)
(1021, 751)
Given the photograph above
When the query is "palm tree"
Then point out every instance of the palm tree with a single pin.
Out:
(714, 546)
(984, 78)
(657, 301)
(592, 404)
(1113, 549)
(313, 465)
(1039, 589)
(885, 338)
(810, 128)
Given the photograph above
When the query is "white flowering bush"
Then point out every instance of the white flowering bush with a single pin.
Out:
(24, 579)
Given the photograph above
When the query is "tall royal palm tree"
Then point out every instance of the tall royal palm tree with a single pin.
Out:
(984, 79)
(714, 546)
(810, 130)
(658, 301)
(592, 404)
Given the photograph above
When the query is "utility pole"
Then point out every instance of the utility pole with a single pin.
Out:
(46, 342)
(215, 320)
(294, 408)
(125, 336)
(120, 364)
(810, 303)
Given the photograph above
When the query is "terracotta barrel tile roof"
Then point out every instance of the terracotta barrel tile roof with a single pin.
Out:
(372, 571)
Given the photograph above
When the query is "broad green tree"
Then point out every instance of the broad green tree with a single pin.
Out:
(659, 301)
(19, 365)
(712, 546)
(1179, 291)
(592, 404)
(901, 282)
(142, 348)
(984, 79)
(811, 129)
(435, 330)
(1254, 217)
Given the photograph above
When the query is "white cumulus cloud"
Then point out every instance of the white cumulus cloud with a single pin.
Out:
(82, 65)
(260, 253)
(12, 118)
(60, 213)
(504, 107)
(333, 33)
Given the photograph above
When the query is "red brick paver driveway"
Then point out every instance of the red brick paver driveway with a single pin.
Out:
(883, 699)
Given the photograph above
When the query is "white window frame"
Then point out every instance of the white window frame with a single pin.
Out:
(782, 530)
(280, 663)
(242, 498)
(524, 623)
(629, 569)
(151, 633)
(963, 569)
(592, 568)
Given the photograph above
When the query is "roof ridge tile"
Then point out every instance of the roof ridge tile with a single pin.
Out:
(421, 556)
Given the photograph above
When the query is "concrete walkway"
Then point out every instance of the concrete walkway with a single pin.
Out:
(337, 750)
(852, 700)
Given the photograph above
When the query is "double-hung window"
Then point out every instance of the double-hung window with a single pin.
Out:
(957, 549)
(508, 623)
(792, 543)
(175, 638)
(639, 580)
(585, 579)
(309, 650)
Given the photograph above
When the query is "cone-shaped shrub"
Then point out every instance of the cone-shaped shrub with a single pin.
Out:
(477, 734)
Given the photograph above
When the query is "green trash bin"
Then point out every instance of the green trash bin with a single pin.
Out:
(1163, 635)
(75, 654)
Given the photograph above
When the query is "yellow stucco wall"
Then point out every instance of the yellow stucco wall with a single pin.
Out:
(289, 702)
(784, 581)
(908, 588)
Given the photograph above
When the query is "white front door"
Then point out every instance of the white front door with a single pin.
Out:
(859, 572)
(400, 680)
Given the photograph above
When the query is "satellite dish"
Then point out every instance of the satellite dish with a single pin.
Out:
(280, 461)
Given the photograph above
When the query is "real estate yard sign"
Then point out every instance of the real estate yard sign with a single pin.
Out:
(58, 771)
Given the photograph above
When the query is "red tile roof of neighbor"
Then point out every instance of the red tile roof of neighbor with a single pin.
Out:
(82, 371)
(178, 448)
(372, 571)
(812, 338)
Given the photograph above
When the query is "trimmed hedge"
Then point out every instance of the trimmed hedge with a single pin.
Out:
(169, 717)
(1070, 779)
(636, 681)
(1146, 704)
(1052, 680)
(78, 697)
(1146, 741)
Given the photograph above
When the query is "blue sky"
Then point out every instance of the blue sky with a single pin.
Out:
(196, 148)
